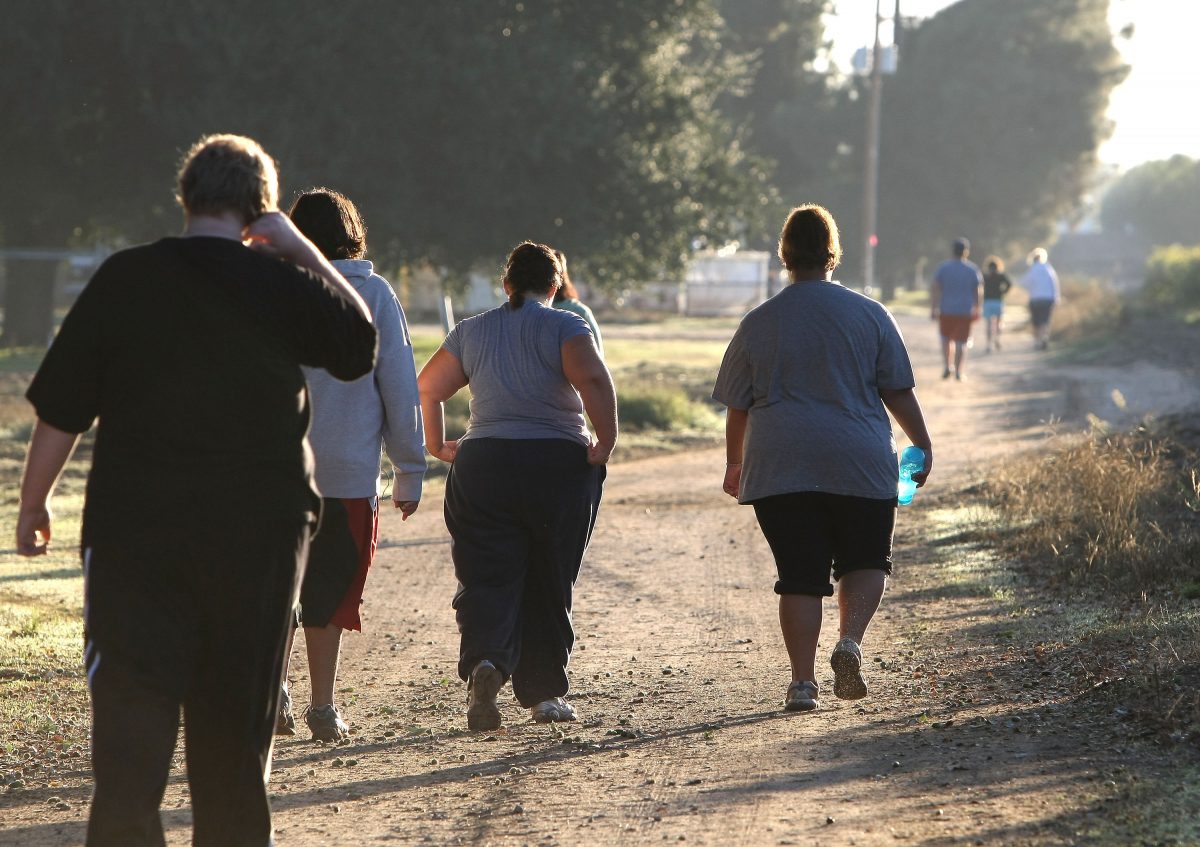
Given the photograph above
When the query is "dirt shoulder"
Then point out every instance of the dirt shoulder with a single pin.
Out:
(971, 734)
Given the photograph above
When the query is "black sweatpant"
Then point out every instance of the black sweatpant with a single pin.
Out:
(520, 514)
(197, 620)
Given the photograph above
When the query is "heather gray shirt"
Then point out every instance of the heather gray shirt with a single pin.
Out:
(351, 420)
(809, 364)
(513, 362)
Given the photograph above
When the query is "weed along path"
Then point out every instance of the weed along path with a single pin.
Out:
(971, 734)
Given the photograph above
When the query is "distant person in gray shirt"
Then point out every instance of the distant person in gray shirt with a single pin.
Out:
(808, 380)
(524, 487)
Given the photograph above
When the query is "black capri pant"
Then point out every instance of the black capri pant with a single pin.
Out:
(520, 514)
(813, 533)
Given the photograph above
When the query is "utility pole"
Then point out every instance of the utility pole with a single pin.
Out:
(871, 168)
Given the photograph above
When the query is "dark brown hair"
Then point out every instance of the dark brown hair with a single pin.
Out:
(531, 269)
(227, 173)
(331, 222)
(994, 262)
(567, 290)
(810, 240)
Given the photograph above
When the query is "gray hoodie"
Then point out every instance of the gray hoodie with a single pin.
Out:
(351, 420)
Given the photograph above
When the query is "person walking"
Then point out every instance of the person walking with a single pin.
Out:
(808, 380)
(352, 423)
(567, 299)
(1041, 281)
(524, 485)
(995, 285)
(188, 351)
(955, 295)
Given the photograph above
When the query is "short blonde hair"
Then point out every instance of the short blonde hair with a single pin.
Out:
(228, 173)
(810, 239)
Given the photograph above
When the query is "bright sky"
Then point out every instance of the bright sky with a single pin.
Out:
(1153, 109)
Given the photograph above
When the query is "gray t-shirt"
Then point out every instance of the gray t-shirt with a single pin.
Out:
(809, 364)
(513, 362)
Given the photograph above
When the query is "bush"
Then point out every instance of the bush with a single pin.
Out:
(1173, 277)
(1116, 510)
(660, 408)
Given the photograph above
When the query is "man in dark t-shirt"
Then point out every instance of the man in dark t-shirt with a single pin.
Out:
(200, 499)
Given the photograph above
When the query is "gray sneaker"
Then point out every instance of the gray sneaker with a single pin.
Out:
(801, 696)
(848, 682)
(554, 710)
(285, 721)
(326, 724)
(482, 688)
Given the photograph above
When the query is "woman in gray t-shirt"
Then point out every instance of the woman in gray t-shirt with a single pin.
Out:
(525, 484)
(808, 379)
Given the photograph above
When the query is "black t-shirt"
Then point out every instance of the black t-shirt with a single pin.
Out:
(995, 286)
(188, 350)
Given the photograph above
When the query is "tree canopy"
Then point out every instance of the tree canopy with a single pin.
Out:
(1160, 201)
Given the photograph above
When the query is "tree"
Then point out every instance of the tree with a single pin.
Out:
(991, 125)
(459, 128)
(1159, 201)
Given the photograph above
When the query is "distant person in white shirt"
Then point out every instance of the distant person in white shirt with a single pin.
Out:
(1042, 284)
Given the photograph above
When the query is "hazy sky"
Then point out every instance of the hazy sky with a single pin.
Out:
(1153, 109)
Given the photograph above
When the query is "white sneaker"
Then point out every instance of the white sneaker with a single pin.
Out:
(555, 710)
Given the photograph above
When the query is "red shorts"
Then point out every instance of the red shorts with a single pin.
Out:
(955, 327)
(339, 558)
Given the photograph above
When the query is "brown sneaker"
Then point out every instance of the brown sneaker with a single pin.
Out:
(482, 711)
(801, 696)
(285, 721)
(326, 724)
(848, 683)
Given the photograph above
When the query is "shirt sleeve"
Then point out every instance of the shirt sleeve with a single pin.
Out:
(396, 379)
(65, 391)
(893, 369)
(323, 325)
(735, 384)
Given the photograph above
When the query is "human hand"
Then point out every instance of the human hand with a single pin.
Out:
(33, 530)
(920, 476)
(447, 452)
(406, 507)
(275, 235)
(598, 453)
(733, 479)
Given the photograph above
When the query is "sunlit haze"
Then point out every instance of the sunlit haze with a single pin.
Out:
(1152, 109)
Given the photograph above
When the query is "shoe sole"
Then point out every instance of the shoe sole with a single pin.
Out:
(800, 706)
(483, 713)
(848, 683)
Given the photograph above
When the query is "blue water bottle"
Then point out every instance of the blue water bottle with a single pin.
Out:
(912, 461)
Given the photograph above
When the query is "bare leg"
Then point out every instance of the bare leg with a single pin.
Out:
(945, 356)
(324, 644)
(960, 352)
(800, 620)
(859, 593)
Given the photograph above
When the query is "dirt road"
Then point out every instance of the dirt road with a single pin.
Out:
(679, 674)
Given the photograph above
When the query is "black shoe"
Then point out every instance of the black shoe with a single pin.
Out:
(482, 711)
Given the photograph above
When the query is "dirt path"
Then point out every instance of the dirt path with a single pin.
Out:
(679, 673)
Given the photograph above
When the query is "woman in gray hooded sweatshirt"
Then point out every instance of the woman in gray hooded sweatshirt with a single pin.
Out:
(351, 422)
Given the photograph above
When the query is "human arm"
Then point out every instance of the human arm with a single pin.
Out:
(903, 404)
(396, 381)
(586, 372)
(49, 449)
(735, 439)
(276, 235)
(439, 380)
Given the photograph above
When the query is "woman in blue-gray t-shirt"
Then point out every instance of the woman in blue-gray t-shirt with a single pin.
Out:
(808, 379)
(525, 484)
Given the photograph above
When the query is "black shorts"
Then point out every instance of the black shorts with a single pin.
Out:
(813, 533)
(1039, 311)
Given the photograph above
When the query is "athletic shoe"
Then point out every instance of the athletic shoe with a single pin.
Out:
(556, 710)
(848, 683)
(285, 721)
(946, 373)
(326, 724)
(482, 711)
(801, 696)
